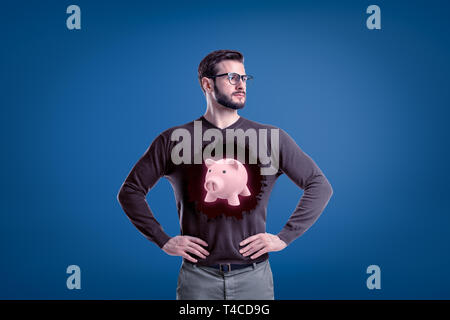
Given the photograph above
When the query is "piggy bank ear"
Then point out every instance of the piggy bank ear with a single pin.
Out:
(209, 162)
(233, 163)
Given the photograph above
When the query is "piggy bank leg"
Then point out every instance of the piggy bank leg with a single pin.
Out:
(210, 198)
(233, 200)
(245, 192)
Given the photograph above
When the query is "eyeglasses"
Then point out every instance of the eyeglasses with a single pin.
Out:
(234, 77)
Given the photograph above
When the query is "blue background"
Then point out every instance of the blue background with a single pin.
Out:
(79, 108)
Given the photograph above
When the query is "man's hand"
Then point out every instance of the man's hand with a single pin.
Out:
(261, 243)
(180, 245)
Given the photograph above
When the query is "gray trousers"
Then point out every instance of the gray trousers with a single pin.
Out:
(254, 282)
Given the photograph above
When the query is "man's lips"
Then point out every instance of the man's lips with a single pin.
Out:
(240, 94)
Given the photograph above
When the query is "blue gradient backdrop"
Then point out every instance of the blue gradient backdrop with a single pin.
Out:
(78, 109)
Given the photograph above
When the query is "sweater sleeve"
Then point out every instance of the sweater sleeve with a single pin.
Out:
(304, 172)
(143, 176)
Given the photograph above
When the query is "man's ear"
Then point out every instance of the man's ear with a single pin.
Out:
(209, 162)
(206, 85)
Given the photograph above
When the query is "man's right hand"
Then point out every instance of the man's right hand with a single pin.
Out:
(180, 245)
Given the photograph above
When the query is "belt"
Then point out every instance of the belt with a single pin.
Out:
(226, 267)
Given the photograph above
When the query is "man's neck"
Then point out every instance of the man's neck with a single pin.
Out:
(221, 117)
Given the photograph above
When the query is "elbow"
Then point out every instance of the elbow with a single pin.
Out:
(328, 188)
(331, 190)
(128, 192)
(121, 195)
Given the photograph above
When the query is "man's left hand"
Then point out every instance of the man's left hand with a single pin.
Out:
(261, 243)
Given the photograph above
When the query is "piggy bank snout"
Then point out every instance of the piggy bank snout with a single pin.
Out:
(214, 184)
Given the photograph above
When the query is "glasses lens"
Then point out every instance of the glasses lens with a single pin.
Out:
(234, 78)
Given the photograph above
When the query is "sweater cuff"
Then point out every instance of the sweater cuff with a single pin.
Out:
(161, 238)
(288, 236)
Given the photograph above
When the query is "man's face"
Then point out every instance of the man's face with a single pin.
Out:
(227, 94)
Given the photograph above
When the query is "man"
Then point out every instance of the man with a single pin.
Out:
(222, 199)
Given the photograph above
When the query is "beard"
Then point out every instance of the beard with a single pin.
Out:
(226, 101)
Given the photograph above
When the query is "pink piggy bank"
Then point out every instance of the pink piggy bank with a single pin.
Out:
(226, 179)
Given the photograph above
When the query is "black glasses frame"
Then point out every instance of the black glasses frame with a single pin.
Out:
(230, 75)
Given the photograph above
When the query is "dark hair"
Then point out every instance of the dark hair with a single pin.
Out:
(207, 66)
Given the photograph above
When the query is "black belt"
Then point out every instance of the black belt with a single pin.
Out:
(226, 267)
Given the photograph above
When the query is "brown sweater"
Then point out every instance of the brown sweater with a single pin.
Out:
(221, 225)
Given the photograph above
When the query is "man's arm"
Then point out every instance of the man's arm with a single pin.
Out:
(144, 175)
(304, 172)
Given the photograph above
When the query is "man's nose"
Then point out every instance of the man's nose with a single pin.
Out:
(240, 84)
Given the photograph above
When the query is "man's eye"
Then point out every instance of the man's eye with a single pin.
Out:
(224, 171)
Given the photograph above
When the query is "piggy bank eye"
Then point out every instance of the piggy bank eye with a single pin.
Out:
(224, 171)
(209, 170)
